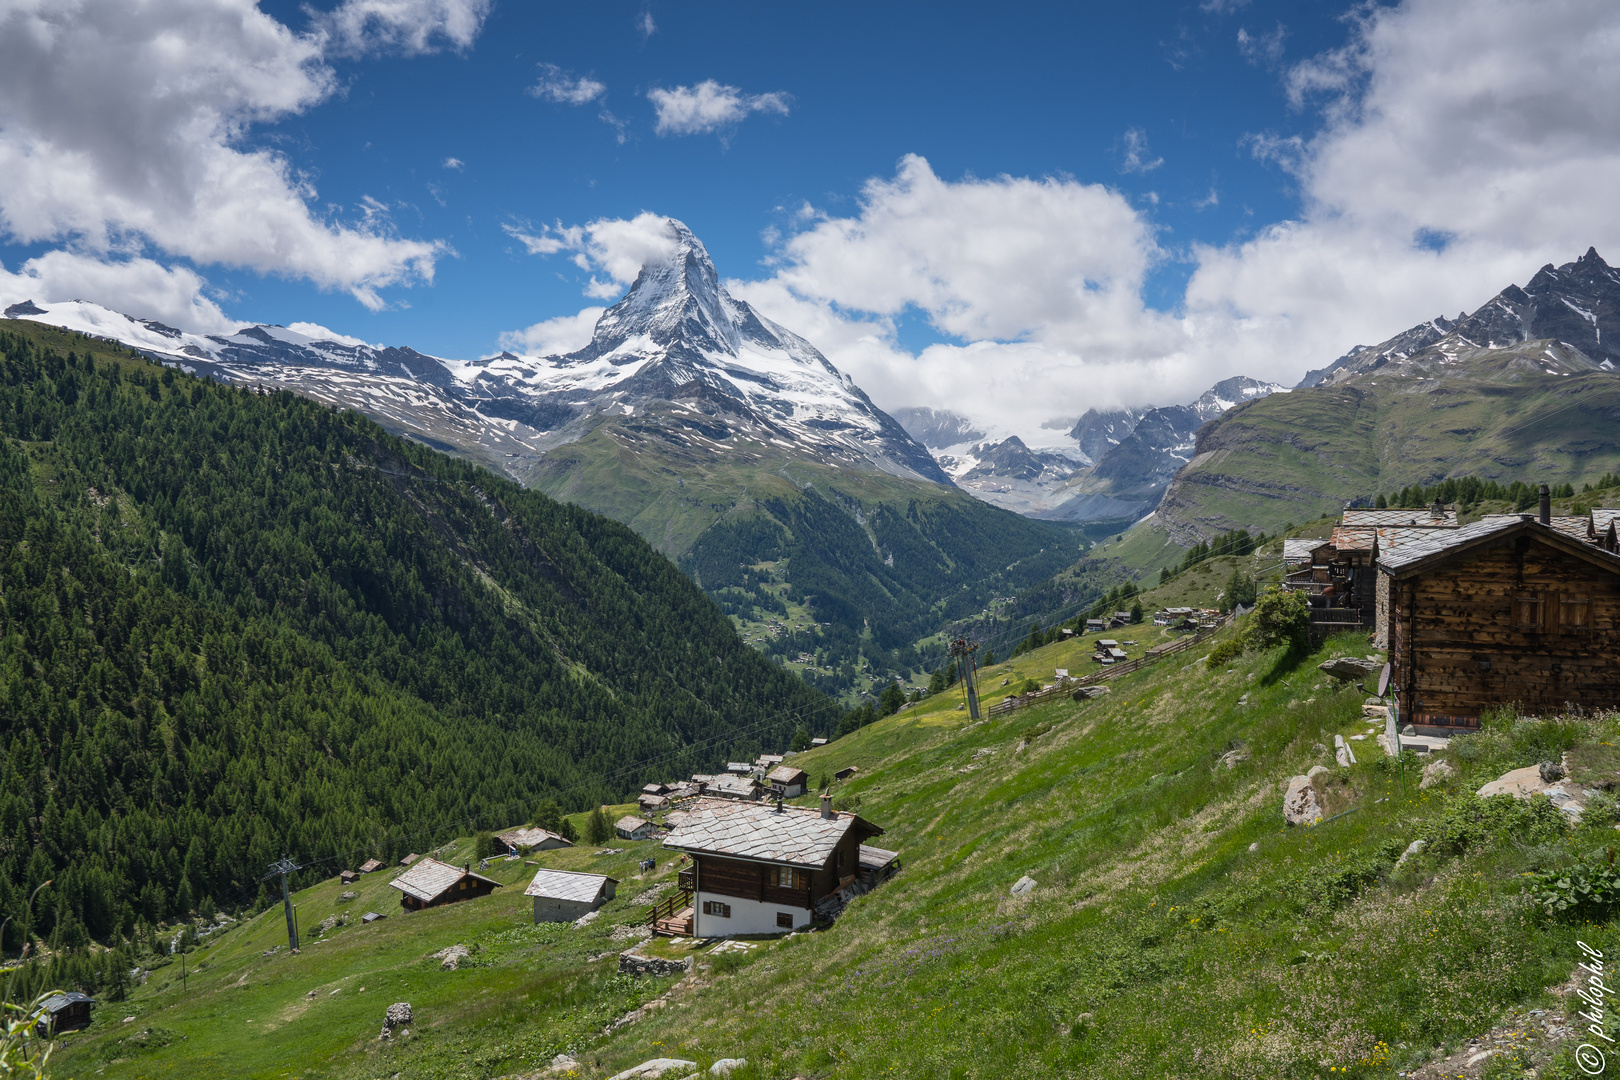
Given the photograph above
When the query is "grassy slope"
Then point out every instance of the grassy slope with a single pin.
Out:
(1296, 456)
(1156, 943)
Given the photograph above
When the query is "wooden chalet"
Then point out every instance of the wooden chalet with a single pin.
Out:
(1509, 609)
(63, 1012)
(631, 827)
(846, 772)
(652, 804)
(655, 789)
(787, 782)
(431, 883)
(348, 877)
(764, 868)
(1605, 525)
(371, 865)
(531, 837)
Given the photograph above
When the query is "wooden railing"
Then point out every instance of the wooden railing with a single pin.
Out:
(1113, 671)
(668, 907)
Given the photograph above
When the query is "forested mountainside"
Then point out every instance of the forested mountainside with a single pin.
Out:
(236, 625)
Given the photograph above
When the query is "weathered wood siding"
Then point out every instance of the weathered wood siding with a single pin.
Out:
(751, 881)
(1517, 622)
(845, 859)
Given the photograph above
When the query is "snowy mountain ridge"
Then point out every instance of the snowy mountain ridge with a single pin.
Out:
(677, 343)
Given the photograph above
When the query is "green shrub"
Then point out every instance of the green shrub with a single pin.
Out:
(1281, 617)
(483, 845)
(1586, 891)
(1470, 823)
(1225, 652)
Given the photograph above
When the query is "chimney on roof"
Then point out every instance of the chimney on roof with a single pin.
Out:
(826, 807)
(466, 868)
(1546, 505)
(779, 804)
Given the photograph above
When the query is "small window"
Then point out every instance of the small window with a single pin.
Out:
(715, 907)
(1575, 614)
(840, 861)
(785, 878)
(1527, 613)
(784, 920)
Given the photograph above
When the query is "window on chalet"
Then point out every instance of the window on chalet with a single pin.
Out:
(715, 907)
(1575, 614)
(786, 877)
(1527, 613)
(784, 920)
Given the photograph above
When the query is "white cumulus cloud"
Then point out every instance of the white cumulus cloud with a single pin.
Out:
(557, 85)
(1138, 158)
(137, 287)
(709, 106)
(563, 334)
(406, 26)
(125, 127)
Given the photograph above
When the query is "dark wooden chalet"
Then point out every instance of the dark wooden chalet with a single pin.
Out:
(1509, 609)
(430, 883)
(64, 1012)
(763, 868)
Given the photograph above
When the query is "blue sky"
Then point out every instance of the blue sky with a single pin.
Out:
(967, 206)
(1029, 90)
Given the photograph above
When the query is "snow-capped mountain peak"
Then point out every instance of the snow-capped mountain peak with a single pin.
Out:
(717, 375)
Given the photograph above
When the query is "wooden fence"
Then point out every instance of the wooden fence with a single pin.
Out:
(1112, 671)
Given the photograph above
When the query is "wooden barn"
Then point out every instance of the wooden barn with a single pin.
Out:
(765, 868)
(430, 883)
(1509, 609)
(64, 1012)
(530, 837)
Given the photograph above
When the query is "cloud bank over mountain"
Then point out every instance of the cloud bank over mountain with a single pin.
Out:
(1445, 160)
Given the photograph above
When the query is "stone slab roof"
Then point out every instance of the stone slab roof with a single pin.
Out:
(1422, 515)
(527, 837)
(1420, 551)
(1353, 538)
(430, 878)
(1601, 517)
(785, 774)
(876, 858)
(791, 835)
(1296, 550)
(568, 885)
(629, 823)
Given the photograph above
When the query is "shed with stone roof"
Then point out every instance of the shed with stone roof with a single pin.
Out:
(530, 837)
(1507, 610)
(566, 895)
(430, 883)
(765, 868)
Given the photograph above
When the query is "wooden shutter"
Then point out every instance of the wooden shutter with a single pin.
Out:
(1526, 612)
(1575, 614)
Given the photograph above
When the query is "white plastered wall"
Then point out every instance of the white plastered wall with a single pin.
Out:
(747, 917)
